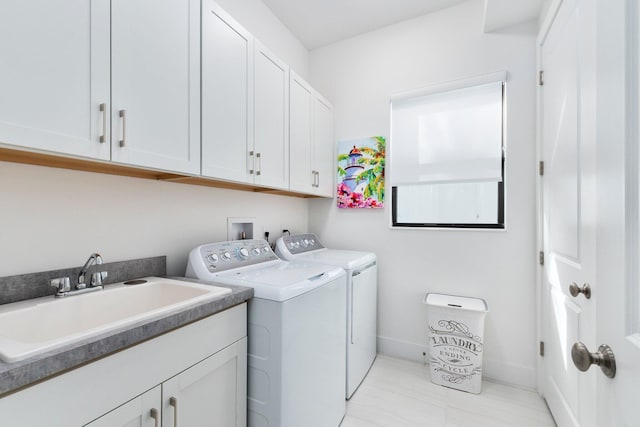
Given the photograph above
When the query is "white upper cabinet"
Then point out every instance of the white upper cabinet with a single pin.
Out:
(115, 80)
(311, 133)
(302, 176)
(54, 75)
(245, 90)
(156, 83)
(227, 96)
(323, 147)
(271, 121)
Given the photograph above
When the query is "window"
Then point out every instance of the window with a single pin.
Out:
(447, 155)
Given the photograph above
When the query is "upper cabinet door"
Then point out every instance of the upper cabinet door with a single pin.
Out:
(271, 121)
(156, 83)
(323, 146)
(54, 75)
(302, 175)
(227, 97)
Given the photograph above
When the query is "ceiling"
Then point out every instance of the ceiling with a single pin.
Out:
(317, 23)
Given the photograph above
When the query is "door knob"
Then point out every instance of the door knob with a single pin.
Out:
(576, 290)
(604, 358)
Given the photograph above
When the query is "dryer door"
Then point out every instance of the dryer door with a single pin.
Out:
(362, 333)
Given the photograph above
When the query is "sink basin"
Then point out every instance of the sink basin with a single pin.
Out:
(32, 327)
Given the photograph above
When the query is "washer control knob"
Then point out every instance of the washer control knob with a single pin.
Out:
(291, 245)
(243, 253)
(226, 256)
(312, 241)
(296, 245)
(256, 251)
(213, 258)
(305, 243)
(265, 250)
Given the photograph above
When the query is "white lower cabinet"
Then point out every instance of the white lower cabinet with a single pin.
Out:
(212, 392)
(192, 376)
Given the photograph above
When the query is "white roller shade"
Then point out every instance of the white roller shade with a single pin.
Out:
(452, 136)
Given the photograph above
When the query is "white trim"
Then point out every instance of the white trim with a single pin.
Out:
(541, 327)
(500, 76)
(493, 370)
(548, 20)
(632, 326)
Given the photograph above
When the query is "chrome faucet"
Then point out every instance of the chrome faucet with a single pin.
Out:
(63, 284)
(96, 278)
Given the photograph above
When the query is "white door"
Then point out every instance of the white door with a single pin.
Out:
(271, 121)
(618, 122)
(155, 66)
(212, 392)
(323, 147)
(142, 411)
(568, 210)
(227, 96)
(301, 98)
(54, 76)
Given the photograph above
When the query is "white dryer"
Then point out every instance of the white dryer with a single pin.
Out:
(362, 297)
(296, 335)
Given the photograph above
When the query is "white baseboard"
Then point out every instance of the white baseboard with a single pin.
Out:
(492, 370)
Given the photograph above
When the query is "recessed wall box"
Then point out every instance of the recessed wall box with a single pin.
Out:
(240, 228)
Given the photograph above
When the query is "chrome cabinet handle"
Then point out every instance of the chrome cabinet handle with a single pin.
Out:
(155, 416)
(259, 168)
(251, 154)
(318, 176)
(576, 290)
(174, 402)
(103, 110)
(314, 175)
(122, 114)
(604, 358)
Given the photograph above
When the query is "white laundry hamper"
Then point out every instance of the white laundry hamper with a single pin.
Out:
(456, 340)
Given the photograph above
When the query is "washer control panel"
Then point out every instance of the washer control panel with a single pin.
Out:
(301, 243)
(237, 253)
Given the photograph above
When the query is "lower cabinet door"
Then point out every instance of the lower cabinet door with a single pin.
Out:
(142, 411)
(212, 392)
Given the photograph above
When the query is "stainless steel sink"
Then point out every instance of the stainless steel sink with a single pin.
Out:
(32, 327)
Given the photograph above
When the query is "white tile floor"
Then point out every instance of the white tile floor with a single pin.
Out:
(398, 393)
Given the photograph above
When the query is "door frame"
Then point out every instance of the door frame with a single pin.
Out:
(541, 326)
(586, 10)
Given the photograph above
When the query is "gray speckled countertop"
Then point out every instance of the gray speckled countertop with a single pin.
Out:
(14, 376)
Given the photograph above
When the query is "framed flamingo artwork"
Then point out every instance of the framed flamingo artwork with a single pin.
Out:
(361, 173)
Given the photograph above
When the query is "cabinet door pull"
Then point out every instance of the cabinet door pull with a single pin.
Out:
(122, 114)
(155, 416)
(259, 168)
(254, 163)
(174, 402)
(103, 110)
(318, 179)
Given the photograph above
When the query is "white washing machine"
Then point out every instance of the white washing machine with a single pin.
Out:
(296, 335)
(362, 297)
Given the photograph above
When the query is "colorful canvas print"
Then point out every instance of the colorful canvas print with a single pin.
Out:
(361, 173)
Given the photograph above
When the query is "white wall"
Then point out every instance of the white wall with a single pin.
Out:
(358, 75)
(258, 19)
(54, 218)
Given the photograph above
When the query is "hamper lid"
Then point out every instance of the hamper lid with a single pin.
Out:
(456, 302)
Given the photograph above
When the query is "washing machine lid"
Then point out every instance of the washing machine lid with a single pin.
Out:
(283, 280)
(348, 260)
